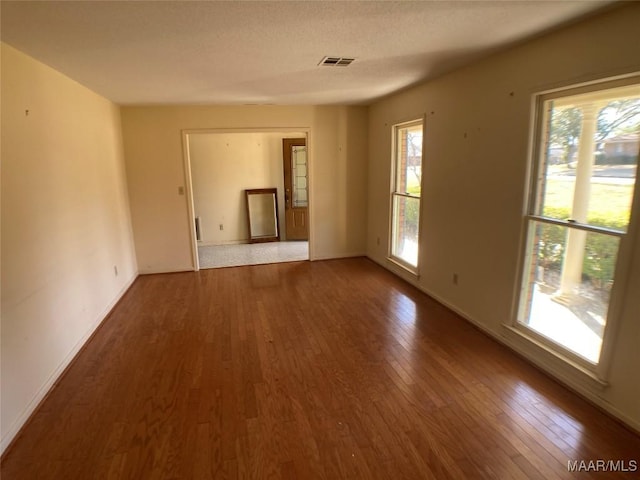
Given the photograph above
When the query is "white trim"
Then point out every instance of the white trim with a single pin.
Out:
(531, 336)
(584, 81)
(398, 262)
(391, 257)
(311, 204)
(585, 227)
(189, 183)
(186, 158)
(228, 242)
(336, 256)
(537, 134)
(630, 80)
(156, 271)
(620, 291)
(47, 386)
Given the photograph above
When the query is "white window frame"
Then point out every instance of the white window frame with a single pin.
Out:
(415, 270)
(597, 371)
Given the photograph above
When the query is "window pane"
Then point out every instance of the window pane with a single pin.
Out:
(590, 156)
(569, 276)
(404, 242)
(299, 176)
(409, 159)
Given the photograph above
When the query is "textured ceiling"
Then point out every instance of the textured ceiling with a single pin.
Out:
(175, 52)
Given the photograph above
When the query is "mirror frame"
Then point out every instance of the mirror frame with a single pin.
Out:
(262, 191)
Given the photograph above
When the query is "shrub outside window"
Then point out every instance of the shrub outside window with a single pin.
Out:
(405, 196)
(584, 176)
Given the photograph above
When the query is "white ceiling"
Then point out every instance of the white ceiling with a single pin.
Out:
(267, 52)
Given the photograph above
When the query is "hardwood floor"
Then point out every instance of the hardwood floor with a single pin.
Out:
(333, 369)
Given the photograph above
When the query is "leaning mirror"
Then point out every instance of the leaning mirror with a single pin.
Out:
(262, 215)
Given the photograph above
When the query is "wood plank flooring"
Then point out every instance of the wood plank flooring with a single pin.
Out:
(326, 370)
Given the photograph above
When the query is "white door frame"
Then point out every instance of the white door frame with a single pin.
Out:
(189, 182)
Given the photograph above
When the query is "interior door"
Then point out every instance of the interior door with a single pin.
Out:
(296, 191)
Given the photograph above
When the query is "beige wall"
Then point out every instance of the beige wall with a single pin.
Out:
(223, 165)
(155, 170)
(65, 208)
(65, 225)
(476, 157)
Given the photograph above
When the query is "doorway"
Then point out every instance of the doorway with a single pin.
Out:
(220, 165)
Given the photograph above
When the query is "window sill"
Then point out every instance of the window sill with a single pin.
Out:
(405, 267)
(552, 360)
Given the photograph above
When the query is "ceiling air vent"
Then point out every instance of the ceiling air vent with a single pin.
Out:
(336, 61)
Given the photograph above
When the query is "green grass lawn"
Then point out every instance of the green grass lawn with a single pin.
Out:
(608, 201)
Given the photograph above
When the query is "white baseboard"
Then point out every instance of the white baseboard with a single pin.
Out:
(336, 256)
(226, 242)
(154, 271)
(54, 377)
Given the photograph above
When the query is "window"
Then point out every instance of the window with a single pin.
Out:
(578, 216)
(405, 196)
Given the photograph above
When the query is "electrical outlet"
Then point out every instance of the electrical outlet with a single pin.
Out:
(455, 279)
(221, 227)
